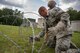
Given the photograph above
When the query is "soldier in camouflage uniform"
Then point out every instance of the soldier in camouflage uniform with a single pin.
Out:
(49, 42)
(61, 27)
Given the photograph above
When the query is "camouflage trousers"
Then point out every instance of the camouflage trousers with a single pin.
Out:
(63, 45)
(51, 42)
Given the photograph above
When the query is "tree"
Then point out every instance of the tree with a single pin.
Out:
(8, 16)
(78, 15)
(74, 14)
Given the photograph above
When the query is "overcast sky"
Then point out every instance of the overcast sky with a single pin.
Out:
(33, 5)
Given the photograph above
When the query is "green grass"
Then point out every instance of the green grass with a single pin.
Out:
(22, 39)
(76, 38)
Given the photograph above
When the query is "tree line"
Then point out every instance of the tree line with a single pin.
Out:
(10, 17)
(74, 14)
(15, 17)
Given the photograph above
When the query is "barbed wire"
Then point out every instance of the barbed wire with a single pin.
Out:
(20, 32)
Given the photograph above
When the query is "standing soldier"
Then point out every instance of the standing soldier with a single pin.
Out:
(61, 27)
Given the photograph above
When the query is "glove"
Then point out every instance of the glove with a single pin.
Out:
(35, 38)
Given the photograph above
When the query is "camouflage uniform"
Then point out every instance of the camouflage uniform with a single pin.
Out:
(61, 29)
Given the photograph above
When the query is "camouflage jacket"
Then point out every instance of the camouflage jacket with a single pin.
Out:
(58, 22)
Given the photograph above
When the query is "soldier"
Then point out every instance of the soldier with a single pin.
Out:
(44, 12)
(61, 27)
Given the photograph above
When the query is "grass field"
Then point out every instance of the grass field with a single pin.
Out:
(20, 35)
